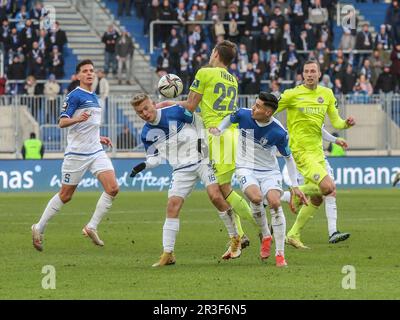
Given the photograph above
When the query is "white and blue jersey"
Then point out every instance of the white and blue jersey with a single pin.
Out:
(258, 142)
(84, 137)
(173, 136)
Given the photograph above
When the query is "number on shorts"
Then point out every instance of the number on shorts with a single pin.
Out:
(67, 177)
(211, 178)
(243, 180)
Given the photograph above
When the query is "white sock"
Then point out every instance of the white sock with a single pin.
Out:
(286, 197)
(259, 215)
(279, 225)
(103, 205)
(52, 208)
(170, 230)
(229, 222)
(331, 214)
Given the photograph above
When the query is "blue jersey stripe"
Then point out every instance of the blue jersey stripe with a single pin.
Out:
(82, 154)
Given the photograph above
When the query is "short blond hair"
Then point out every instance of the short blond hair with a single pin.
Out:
(139, 98)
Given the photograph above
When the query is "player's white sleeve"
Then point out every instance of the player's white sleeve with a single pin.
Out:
(153, 161)
(225, 124)
(327, 136)
(292, 170)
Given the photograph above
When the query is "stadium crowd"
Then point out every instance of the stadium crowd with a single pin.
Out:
(273, 39)
(32, 46)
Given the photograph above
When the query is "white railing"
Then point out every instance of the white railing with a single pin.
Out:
(377, 117)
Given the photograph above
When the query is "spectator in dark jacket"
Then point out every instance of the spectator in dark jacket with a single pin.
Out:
(56, 63)
(28, 36)
(16, 71)
(290, 63)
(386, 82)
(110, 39)
(124, 53)
(264, 41)
(175, 48)
(348, 80)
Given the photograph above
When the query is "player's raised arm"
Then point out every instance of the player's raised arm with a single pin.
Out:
(334, 117)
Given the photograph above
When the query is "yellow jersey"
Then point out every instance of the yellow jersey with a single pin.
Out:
(219, 89)
(306, 110)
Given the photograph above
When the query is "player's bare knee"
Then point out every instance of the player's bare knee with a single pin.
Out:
(256, 199)
(173, 207)
(274, 204)
(316, 200)
(329, 190)
(226, 189)
(65, 196)
(216, 198)
(112, 190)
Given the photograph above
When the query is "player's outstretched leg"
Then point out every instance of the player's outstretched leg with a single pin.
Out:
(278, 223)
(331, 215)
(170, 231)
(254, 194)
(242, 209)
(227, 216)
(110, 185)
(53, 206)
(305, 214)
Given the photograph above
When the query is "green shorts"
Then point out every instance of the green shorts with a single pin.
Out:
(311, 166)
(223, 154)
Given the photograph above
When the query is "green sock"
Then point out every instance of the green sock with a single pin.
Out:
(305, 214)
(238, 225)
(242, 210)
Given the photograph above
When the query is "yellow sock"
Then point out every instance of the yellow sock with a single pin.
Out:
(238, 225)
(242, 209)
(305, 214)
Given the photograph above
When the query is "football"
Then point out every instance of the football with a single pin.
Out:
(170, 85)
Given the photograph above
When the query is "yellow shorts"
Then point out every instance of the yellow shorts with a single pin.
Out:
(311, 166)
(223, 154)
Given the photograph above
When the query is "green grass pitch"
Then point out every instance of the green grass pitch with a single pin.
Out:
(132, 232)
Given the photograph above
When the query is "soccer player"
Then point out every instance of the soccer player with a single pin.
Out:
(81, 114)
(215, 90)
(258, 170)
(173, 133)
(330, 201)
(307, 105)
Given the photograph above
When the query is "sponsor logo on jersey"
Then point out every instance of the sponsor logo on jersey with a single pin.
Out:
(195, 84)
(263, 141)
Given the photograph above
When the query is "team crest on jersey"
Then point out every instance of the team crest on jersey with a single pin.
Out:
(263, 141)
(316, 177)
(321, 100)
(195, 84)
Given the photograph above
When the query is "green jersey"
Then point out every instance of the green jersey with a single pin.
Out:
(219, 89)
(306, 110)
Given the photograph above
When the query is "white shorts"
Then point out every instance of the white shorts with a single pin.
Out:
(266, 181)
(73, 168)
(183, 182)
